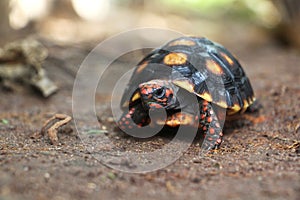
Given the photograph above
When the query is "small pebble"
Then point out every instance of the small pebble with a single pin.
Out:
(110, 119)
(196, 160)
(26, 168)
(92, 186)
(46, 175)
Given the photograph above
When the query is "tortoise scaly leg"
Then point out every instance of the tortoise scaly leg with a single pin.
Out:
(211, 126)
(136, 116)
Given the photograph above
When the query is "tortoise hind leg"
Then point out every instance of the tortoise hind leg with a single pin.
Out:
(254, 107)
(211, 126)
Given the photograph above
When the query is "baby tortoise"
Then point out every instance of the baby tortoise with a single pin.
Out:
(169, 75)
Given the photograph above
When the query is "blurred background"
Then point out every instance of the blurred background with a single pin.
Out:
(76, 21)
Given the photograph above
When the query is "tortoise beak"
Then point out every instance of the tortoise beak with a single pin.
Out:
(153, 105)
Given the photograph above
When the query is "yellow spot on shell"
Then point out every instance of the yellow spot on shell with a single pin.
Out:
(251, 100)
(234, 109)
(175, 59)
(214, 67)
(206, 97)
(246, 105)
(185, 84)
(222, 104)
(182, 42)
(142, 67)
(227, 58)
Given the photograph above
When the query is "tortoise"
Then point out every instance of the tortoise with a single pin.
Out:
(169, 76)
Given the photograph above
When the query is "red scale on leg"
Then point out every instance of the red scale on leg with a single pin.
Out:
(209, 119)
(205, 103)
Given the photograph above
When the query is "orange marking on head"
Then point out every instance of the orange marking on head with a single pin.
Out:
(168, 92)
(227, 58)
(144, 91)
(162, 100)
(182, 42)
(175, 58)
(213, 67)
(149, 90)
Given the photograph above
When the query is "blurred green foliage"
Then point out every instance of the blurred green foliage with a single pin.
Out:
(261, 12)
(205, 6)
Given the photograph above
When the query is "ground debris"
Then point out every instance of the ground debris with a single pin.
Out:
(21, 61)
(55, 122)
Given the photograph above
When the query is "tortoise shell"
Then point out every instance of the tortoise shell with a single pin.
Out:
(199, 66)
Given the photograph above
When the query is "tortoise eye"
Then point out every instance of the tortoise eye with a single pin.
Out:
(160, 92)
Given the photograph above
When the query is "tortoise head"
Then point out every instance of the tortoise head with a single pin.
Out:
(159, 94)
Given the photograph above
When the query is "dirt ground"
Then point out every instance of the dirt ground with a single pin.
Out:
(259, 158)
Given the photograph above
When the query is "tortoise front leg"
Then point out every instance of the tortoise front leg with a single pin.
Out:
(211, 126)
(136, 116)
(208, 122)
